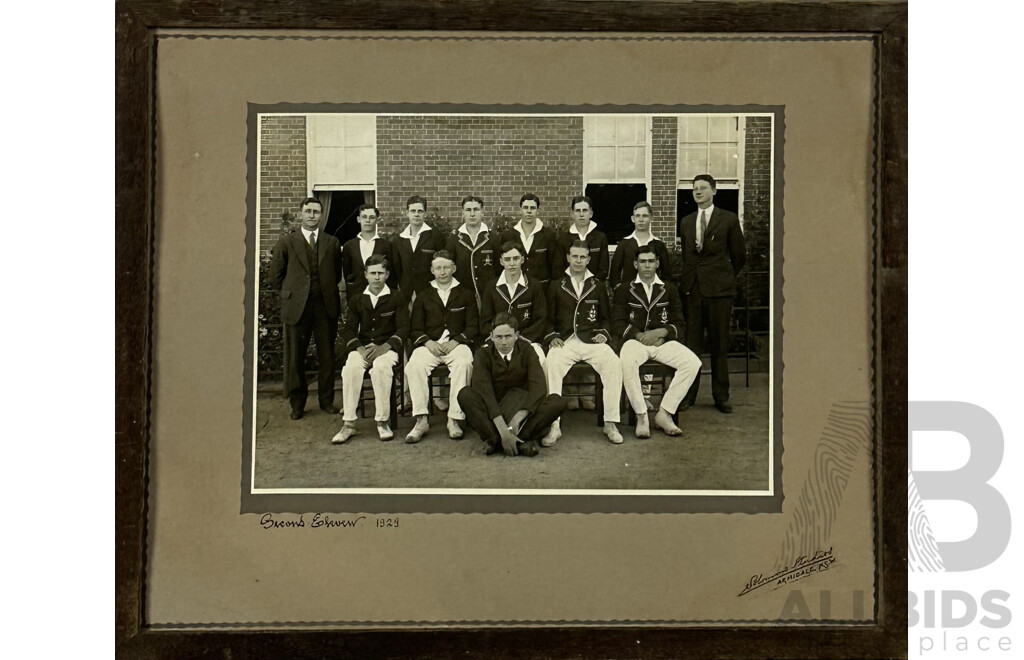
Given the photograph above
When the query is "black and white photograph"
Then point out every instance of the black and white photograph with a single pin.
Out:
(559, 302)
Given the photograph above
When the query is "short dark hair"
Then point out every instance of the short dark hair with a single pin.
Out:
(645, 249)
(378, 260)
(471, 198)
(530, 196)
(581, 198)
(365, 207)
(311, 200)
(511, 245)
(416, 199)
(579, 243)
(707, 177)
(642, 204)
(442, 254)
(504, 318)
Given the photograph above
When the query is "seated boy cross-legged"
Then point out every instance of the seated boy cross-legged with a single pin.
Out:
(375, 323)
(648, 319)
(579, 313)
(507, 402)
(444, 326)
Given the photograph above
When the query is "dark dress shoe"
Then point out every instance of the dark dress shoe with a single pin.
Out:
(330, 409)
(529, 449)
(296, 413)
(492, 448)
(723, 407)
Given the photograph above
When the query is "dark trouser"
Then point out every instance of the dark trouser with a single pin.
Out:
(537, 423)
(713, 315)
(313, 322)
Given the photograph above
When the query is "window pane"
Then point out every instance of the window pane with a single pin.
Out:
(601, 162)
(630, 131)
(718, 128)
(724, 161)
(630, 163)
(328, 129)
(600, 130)
(692, 161)
(360, 165)
(360, 130)
(330, 165)
(693, 129)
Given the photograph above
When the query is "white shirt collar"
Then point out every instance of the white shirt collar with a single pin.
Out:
(652, 238)
(522, 280)
(578, 286)
(591, 227)
(454, 283)
(374, 298)
(707, 212)
(537, 226)
(587, 275)
(307, 232)
(376, 235)
(405, 232)
(657, 280)
(465, 230)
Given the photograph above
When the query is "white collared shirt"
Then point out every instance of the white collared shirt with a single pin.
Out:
(651, 238)
(374, 298)
(414, 240)
(591, 227)
(578, 285)
(465, 230)
(444, 294)
(366, 246)
(649, 290)
(528, 240)
(521, 283)
(306, 233)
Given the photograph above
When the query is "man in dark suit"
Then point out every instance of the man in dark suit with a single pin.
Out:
(507, 402)
(306, 265)
(713, 254)
(356, 251)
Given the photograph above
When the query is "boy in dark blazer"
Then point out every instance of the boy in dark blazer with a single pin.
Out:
(306, 267)
(585, 229)
(508, 403)
(541, 257)
(515, 293)
(623, 268)
(444, 327)
(376, 323)
(414, 249)
(648, 320)
(713, 254)
(356, 251)
(475, 249)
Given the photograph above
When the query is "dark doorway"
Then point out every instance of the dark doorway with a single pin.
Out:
(724, 199)
(344, 208)
(613, 207)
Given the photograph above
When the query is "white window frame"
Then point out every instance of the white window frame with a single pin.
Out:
(312, 144)
(647, 179)
(720, 184)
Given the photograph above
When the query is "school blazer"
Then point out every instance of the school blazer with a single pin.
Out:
(633, 313)
(431, 317)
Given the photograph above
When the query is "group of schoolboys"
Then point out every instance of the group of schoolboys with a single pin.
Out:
(487, 306)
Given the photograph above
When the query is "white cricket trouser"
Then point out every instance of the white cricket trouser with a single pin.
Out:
(671, 353)
(599, 356)
(460, 368)
(380, 376)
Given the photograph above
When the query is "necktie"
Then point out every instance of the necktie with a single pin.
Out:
(312, 241)
(703, 228)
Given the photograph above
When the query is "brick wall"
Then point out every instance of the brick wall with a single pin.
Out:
(496, 158)
(757, 189)
(663, 177)
(282, 173)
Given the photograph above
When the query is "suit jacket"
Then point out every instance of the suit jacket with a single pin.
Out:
(431, 317)
(412, 268)
(585, 316)
(493, 378)
(388, 322)
(478, 265)
(529, 306)
(633, 313)
(290, 270)
(544, 260)
(355, 270)
(715, 266)
(623, 269)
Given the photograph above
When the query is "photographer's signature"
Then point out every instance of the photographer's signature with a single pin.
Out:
(803, 566)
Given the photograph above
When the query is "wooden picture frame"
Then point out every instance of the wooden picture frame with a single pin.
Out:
(136, 24)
